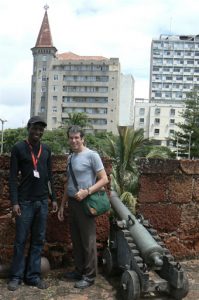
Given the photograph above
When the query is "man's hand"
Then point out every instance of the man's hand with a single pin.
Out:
(54, 207)
(81, 194)
(16, 210)
(60, 214)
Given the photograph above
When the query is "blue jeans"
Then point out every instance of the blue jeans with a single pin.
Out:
(33, 220)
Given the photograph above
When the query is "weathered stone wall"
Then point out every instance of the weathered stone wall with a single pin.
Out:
(169, 199)
(58, 243)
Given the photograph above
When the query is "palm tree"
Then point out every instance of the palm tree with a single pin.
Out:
(123, 149)
(77, 118)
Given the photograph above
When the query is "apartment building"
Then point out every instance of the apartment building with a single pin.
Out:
(158, 120)
(126, 111)
(174, 71)
(67, 82)
(174, 67)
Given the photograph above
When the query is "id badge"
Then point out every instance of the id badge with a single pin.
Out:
(36, 174)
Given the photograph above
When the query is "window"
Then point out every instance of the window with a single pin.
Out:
(179, 77)
(157, 111)
(172, 112)
(176, 69)
(190, 62)
(56, 77)
(187, 70)
(54, 98)
(141, 111)
(168, 94)
(54, 109)
(156, 69)
(156, 131)
(157, 121)
(172, 121)
(141, 120)
(168, 78)
(171, 132)
(158, 94)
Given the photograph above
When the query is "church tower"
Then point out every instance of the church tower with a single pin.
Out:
(43, 54)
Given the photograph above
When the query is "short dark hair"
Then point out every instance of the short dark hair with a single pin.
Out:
(75, 129)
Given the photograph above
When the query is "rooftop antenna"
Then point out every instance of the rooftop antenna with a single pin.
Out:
(170, 25)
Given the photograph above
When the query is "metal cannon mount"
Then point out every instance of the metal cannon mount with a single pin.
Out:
(136, 251)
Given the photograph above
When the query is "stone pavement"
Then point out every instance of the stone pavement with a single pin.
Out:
(61, 289)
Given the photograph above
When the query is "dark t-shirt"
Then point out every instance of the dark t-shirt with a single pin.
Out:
(23, 185)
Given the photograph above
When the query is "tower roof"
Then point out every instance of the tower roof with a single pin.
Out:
(44, 38)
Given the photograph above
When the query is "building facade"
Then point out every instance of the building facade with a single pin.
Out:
(126, 112)
(158, 120)
(174, 67)
(66, 83)
(174, 71)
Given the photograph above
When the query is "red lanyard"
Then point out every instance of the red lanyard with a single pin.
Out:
(35, 158)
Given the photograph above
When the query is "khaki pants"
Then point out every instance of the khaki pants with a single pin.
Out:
(83, 234)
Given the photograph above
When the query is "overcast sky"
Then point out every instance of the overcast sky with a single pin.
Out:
(111, 28)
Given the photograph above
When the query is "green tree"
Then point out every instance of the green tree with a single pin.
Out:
(98, 141)
(12, 136)
(55, 139)
(77, 118)
(188, 135)
(123, 149)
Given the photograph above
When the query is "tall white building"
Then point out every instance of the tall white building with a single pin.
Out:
(174, 67)
(126, 111)
(174, 71)
(67, 82)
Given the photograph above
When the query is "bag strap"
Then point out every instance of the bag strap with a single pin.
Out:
(73, 175)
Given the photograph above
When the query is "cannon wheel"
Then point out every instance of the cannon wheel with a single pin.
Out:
(179, 294)
(130, 285)
(109, 262)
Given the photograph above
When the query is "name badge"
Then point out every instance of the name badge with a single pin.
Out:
(36, 174)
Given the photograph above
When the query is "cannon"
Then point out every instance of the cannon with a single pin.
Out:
(136, 251)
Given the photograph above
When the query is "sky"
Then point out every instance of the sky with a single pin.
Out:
(109, 28)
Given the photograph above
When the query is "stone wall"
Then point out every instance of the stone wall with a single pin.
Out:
(58, 243)
(169, 199)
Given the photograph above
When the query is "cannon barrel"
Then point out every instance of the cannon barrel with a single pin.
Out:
(151, 252)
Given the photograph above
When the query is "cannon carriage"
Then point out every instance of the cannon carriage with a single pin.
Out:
(137, 252)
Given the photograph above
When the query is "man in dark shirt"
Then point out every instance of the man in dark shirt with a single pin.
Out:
(30, 188)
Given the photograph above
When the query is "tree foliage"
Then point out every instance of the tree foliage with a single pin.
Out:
(77, 118)
(123, 150)
(55, 139)
(188, 135)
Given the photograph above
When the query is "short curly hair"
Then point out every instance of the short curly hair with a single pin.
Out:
(75, 129)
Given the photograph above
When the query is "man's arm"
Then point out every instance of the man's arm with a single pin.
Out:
(102, 180)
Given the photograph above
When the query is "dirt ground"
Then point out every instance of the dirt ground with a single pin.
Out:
(109, 289)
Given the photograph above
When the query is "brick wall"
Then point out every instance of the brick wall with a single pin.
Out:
(169, 199)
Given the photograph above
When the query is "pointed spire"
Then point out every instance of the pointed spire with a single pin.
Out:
(44, 38)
